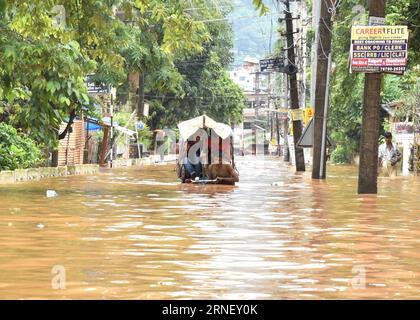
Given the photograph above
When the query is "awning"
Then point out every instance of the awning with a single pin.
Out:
(95, 124)
(125, 131)
(189, 127)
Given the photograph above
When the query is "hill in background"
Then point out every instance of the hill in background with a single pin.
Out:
(252, 32)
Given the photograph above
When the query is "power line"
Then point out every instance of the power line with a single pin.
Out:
(209, 7)
(236, 18)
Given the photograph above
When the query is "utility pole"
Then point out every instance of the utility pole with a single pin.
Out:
(368, 166)
(286, 153)
(302, 49)
(323, 69)
(278, 134)
(284, 101)
(140, 105)
(314, 50)
(269, 104)
(294, 96)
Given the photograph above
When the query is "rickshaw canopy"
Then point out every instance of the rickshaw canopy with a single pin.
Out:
(189, 127)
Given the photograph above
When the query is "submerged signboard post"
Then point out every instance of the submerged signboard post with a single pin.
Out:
(376, 49)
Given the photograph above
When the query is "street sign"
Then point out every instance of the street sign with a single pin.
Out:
(95, 88)
(291, 144)
(307, 138)
(376, 49)
(297, 114)
(376, 21)
(146, 110)
(277, 65)
(140, 125)
(272, 64)
(309, 113)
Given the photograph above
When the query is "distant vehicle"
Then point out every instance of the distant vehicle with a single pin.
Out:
(206, 152)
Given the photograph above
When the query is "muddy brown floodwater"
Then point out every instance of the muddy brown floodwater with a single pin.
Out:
(138, 234)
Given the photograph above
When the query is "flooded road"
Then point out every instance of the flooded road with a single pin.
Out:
(138, 234)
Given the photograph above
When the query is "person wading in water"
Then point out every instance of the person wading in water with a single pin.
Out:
(388, 157)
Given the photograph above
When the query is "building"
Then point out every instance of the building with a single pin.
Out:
(71, 148)
(257, 87)
(255, 84)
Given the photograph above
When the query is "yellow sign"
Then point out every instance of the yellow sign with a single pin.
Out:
(297, 114)
(379, 33)
(309, 113)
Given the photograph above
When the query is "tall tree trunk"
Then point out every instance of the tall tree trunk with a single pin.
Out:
(368, 167)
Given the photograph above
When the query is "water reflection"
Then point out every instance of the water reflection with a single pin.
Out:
(138, 233)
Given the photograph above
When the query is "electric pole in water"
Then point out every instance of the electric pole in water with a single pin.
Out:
(286, 153)
(324, 57)
(294, 96)
(140, 104)
(368, 166)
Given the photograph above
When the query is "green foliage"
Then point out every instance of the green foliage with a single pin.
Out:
(341, 155)
(253, 34)
(345, 151)
(43, 68)
(203, 85)
(123, 119)
(17, 151)
(410, 108)
(183, 57)
(393, 88)
(42, 79)
(407, 12)
(145, 136)
(259, 4)
(40, 82)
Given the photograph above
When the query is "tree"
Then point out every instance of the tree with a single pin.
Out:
(259, 5)
(43, 71)
(44, 68)
(16, 150)
(206, 88)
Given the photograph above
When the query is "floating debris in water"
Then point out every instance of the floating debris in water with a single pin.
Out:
(277, 184)
(51, 193)
(14, 210)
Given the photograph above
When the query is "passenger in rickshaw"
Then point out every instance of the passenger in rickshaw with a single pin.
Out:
(192, 161)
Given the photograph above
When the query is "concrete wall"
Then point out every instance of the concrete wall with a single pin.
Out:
(19, 175)
(153, 159)
(7, 177)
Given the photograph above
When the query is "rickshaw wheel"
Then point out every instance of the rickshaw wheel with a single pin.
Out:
(183, 174)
